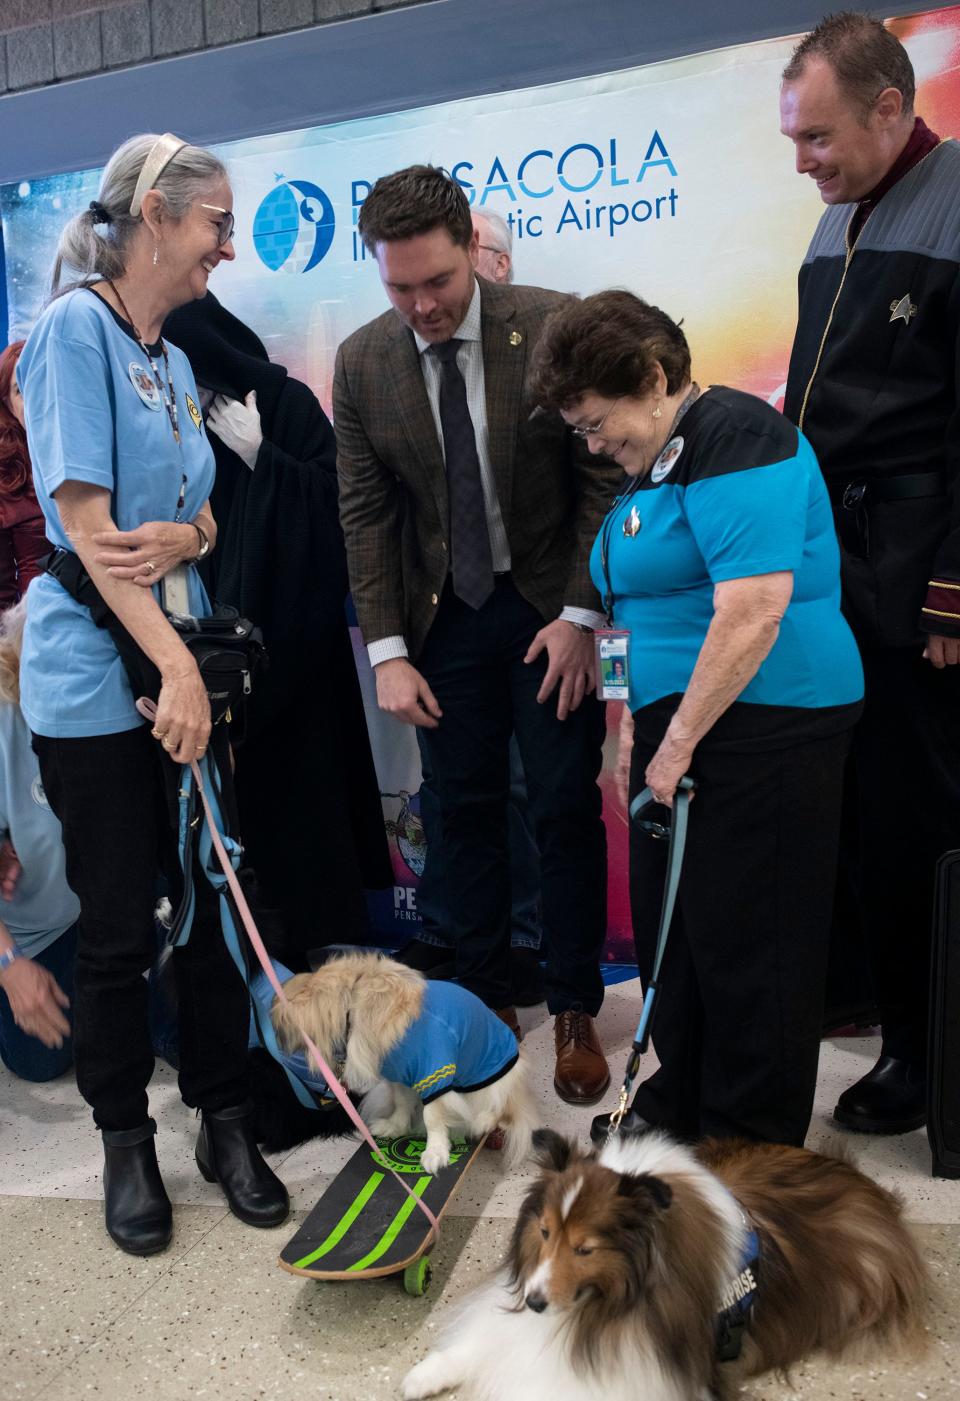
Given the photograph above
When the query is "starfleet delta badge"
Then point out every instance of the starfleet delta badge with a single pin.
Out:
(902, 310)
(194, 414)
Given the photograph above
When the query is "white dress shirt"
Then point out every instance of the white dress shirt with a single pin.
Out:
(470, 364)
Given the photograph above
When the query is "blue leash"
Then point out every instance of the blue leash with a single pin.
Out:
(190, 817)
(678, 840)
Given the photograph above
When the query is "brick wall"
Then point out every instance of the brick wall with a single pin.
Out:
(45, 41)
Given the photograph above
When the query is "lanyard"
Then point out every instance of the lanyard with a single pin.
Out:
(169, 399)
(606, 530)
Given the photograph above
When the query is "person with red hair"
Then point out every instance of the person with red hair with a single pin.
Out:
(23, 540)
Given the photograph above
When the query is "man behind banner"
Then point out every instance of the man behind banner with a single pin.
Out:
(469, 521)
(873, 385)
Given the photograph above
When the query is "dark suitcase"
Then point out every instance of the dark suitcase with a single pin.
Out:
(943, 1073)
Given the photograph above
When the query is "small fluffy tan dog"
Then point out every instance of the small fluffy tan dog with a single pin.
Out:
(412, 1046)
(623, 1265)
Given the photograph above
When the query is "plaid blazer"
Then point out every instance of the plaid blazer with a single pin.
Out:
(394, 506)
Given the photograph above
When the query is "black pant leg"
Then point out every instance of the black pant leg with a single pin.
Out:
(109, 796)
(906, 752)
(467, 755)
(562, 761)
(754, 911)
(103, 790)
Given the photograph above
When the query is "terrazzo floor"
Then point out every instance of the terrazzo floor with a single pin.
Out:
(213, 1317)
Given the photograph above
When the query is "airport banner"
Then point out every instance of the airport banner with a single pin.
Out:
(672, 180)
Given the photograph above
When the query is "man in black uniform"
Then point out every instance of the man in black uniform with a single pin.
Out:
(873, 383)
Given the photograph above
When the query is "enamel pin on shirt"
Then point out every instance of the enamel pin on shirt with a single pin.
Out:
(902, 310)
(516, 338)
(632, 524)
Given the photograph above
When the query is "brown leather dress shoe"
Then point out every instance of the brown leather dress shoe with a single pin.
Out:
(508, 1015)
(582, 1075)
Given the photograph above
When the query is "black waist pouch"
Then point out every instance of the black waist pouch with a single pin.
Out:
(228, 649)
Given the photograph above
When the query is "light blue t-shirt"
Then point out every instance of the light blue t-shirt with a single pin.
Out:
(94, 414)
(43, 905)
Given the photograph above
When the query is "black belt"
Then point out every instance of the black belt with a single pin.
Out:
(852, 500)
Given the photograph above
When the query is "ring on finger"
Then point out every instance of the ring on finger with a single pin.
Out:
(168, 743)
(151, 566)
(158, 734)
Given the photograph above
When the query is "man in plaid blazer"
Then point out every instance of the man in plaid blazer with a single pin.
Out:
(469, 519)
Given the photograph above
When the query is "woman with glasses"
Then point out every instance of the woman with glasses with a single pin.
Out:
(719, 560)
(123, 472)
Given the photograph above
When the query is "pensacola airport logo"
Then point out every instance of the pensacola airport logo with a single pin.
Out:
(293, 228)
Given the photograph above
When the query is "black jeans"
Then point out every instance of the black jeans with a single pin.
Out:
(737, 1021)
(473, 662)
(108, 792)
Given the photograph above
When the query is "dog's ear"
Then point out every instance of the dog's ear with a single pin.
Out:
(284, 1012)
(552, 1150)
(645, 1184)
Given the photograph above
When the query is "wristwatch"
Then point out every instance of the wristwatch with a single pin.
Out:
(9, 956)
(580, 627)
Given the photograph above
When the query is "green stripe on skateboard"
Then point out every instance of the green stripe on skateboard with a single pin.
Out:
(395, 1227)
(345, 1222)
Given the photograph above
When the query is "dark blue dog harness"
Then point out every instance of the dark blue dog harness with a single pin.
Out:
(738, 1300)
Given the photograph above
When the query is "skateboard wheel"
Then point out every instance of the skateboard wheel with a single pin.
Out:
(494, 1140)
(417, 1277)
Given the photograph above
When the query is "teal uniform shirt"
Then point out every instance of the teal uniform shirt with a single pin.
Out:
(94, 414)
(743, 496)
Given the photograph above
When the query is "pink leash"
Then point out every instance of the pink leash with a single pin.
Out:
(149, 711)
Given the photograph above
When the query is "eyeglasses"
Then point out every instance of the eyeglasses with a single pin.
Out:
(225, 226)
(597, 427)
(489, 248)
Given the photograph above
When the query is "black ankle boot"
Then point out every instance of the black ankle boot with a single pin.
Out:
(890, 1098)
(138, 1213)
(227, 1153)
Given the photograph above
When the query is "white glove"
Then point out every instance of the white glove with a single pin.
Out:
(237, 426)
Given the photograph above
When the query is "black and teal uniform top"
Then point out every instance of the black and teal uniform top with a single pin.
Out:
(743, 496)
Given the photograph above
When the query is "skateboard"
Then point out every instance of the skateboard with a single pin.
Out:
(365, 1226)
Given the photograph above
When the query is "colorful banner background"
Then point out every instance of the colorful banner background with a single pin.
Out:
(672, 180)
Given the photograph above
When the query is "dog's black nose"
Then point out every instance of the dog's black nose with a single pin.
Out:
(536, 1302)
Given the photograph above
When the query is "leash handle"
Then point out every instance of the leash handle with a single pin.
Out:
(678, 840)
(148, 710)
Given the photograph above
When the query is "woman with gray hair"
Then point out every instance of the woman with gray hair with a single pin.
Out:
(123, 473)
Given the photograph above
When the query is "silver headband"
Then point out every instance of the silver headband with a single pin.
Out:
(159, 157)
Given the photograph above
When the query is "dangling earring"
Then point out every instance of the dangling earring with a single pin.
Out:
(657, 413)
(156, 254)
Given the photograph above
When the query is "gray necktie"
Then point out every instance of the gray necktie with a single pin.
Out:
(469, 536)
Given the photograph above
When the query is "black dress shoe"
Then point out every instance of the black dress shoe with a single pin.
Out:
(431, 960)
(891, 1098)
(138, 1214)
(227, 1153)
(631, 1123)
(526, 977)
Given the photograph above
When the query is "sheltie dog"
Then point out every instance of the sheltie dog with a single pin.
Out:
(461, 1067)
(620, 1264)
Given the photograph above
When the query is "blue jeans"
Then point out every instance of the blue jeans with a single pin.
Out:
(526, 929)
(24, 1055)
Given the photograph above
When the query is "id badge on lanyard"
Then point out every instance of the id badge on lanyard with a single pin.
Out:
(612, 647)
